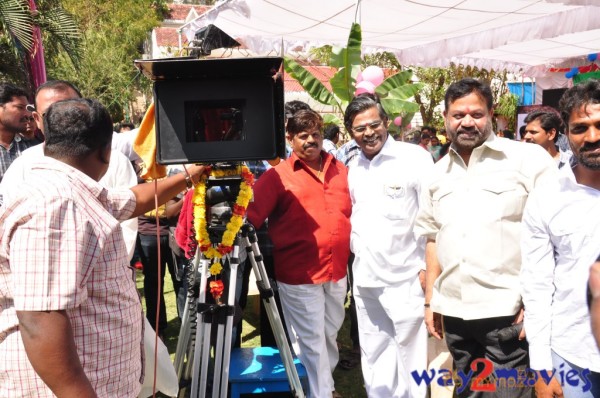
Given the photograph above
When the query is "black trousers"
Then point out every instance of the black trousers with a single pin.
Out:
(148, 251)
(475, 348)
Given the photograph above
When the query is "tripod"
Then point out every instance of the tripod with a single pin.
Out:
(199, 318)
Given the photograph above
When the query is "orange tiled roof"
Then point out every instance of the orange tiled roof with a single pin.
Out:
(166, 37)
(179, 12)
(323, 73)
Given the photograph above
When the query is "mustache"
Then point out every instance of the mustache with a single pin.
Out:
(306, 146)
(590, 146)
(468, 130)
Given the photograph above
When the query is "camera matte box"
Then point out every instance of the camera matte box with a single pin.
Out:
(215, 110)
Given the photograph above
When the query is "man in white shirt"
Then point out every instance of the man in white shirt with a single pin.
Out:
(471, 216)
(385, 182)
(120, 172)
(559, 242)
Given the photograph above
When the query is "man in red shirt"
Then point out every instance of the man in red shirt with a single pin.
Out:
(307, 202)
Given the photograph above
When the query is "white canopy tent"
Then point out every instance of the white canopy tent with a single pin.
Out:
(524, 36)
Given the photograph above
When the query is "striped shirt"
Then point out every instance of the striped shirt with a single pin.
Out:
(61, 248)
(7, 156)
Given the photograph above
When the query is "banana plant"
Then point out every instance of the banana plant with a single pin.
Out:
(395, 92)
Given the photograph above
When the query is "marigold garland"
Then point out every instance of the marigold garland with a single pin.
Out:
(233, 226)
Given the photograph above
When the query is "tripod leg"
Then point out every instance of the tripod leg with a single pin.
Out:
(187, 318)
(233, 264)
(202, 340)
(264, 287)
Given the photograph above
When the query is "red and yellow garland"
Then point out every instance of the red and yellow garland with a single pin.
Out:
(233, 226)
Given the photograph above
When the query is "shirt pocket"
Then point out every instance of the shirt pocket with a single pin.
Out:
(441, 202)
(569, 241)
(506, 200)
(394, 201)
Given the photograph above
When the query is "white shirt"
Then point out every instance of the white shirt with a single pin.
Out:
(474, 214)
(120, 174)
(123, 142)
(561, 240)
(385, 200)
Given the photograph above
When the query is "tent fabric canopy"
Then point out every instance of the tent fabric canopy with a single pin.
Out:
(526, 36)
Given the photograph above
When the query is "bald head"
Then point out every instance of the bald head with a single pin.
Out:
(49, 93)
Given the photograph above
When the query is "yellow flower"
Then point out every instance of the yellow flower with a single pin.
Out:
(216, 268)
(236, 221)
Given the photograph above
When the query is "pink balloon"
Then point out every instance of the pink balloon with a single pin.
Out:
(373, 74)
(364, 87)
(359, 77)
(398, 120)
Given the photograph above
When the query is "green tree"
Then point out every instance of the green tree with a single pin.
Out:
(18, 25)
(437, 80)
(114, 32)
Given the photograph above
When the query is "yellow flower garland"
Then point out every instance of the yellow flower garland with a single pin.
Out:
(235, 223)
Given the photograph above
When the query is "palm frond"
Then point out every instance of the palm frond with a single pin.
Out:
(17, 23)
(62, 27)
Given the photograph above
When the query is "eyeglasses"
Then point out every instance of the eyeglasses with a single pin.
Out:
(373, 126)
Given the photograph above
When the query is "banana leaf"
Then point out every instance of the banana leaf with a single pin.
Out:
(348, 61)
(397, 80)
(331, 118)
(395, 106)
(311, 84)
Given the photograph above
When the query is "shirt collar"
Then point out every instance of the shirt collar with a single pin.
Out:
(492, 142)
(73, 174)
(386, 150)
(298, 163)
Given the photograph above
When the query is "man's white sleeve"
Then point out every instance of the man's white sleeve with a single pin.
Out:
(537, 282)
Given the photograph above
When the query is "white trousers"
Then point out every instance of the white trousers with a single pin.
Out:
(393, 338)
(313, 316)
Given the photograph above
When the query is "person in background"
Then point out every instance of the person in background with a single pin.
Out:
(126, 126)
(14, 117)
(424, 140)
(559, 241)
(147, 248)
(31, 131)
(331, 136)
(435, 148)
(543, 128)
(470, 214)
(508, 134)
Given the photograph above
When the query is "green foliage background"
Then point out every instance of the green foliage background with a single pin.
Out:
(113, 33)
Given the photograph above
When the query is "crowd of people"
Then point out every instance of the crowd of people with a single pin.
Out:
(461, 235)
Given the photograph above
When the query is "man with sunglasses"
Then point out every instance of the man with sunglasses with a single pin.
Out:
(385, 181)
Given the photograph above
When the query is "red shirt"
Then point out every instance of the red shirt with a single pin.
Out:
(309, 220)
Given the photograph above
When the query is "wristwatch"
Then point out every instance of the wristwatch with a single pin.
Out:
(188, 181)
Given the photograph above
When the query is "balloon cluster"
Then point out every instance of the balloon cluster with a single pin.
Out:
(368, 80)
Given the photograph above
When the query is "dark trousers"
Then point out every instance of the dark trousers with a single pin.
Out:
(148, 251)
(477, 340)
